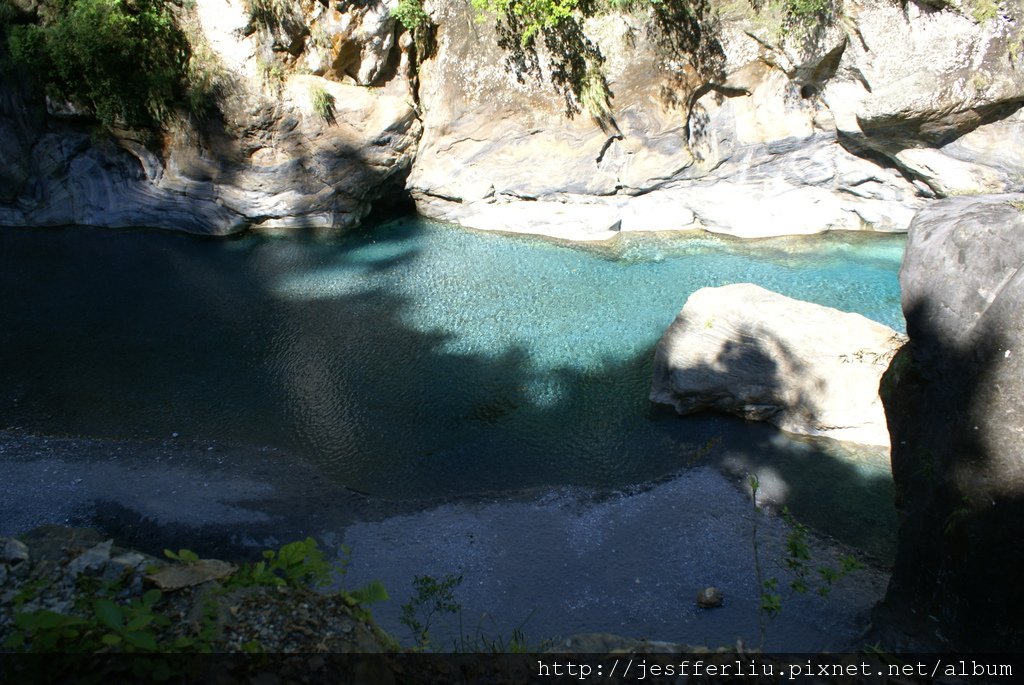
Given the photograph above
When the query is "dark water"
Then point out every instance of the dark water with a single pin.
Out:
(416, 359)
(421, 361)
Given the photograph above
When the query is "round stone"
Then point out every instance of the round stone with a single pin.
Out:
(709, 598)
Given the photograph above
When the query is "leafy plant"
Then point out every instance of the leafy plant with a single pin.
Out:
(183, 555)
(595, 97)
(531, 15)
(297, 564)
(105, 625)
(410, 13)
(797, 560)
(270, 14)
(485, 642)
(271, 70)
(205, 76)
(323, 103)
(804, 10)
(124, 61)
(433, 598)
(770, 600)
(983, 10)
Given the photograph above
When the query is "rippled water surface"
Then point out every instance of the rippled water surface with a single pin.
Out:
(413, 359)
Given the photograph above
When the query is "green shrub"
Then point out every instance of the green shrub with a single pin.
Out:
(323, 103)
(983, 10)
(270, 14)
(804, 10)
(410, 13)
(125, 61)
(533, 15)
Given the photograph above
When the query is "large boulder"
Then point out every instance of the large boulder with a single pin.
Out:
(953, 401)
(806, 368)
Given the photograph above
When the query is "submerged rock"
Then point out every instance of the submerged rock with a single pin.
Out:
(710, 598)
(952, 397)
(806, 368)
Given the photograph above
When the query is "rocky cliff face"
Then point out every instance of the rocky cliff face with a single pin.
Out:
(719, 118)
(850, 124)
(271, 160)
(952, 399)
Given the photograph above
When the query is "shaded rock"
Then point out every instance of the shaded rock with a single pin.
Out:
(193, 573)
(952, 398)
(13, 551)
(745, 350)
(91, 561)
(55, 543)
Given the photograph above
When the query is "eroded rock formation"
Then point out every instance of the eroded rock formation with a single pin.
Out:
(953, 401)
(270, 160)
(748, 351)
(726, 119)
(750, 133)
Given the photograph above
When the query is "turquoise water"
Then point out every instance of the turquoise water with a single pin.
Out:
(414, 359)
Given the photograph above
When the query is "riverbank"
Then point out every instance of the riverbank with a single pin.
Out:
(552, 562)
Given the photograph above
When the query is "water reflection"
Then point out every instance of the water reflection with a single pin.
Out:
(413, 359)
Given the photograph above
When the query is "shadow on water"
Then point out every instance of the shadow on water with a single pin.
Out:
(136, 335)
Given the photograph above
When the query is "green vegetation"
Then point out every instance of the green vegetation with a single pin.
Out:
(435, 598)
(272, 70)
(105, 617)
(323, 103)
(595, 97)
(797, 560)
(410, 13)
(983, 11)
(802, 11)
(205, 78)
(124, 61)
(271, 14)
(102, 624)
(531, 15)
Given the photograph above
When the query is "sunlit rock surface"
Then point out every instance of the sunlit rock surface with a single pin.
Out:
(744, 132)
(748, 351)
(269, 159)
(725, 119)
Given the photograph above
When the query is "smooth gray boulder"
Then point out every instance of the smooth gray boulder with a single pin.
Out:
(953, 401)
(806, 368)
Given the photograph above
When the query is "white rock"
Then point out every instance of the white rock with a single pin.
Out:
(806, 368)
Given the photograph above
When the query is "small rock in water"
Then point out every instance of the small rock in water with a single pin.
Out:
(709, 598)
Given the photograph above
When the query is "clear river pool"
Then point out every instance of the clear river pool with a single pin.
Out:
(488, 385)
